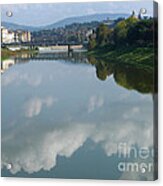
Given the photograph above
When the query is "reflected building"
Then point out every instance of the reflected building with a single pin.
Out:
(5, 64)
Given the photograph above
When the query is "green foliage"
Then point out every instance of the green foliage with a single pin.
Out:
(138, 57)
(120, 33)
(101, 71)
(140, 79)
(121, 30)
(127, 32)
(92, 43)
(141, 33)
(103, 35)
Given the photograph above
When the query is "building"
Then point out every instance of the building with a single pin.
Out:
(133, 14)
(26, 36)
(7, 36)
(18, 36)
(89, 32)
(140, 16)
(23, 36)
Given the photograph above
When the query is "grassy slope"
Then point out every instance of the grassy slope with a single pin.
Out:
(137, 57)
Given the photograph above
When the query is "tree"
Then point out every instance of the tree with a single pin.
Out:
(121, 30)
(92, 43)
(141, 33)
(126, 32)
(103, 35)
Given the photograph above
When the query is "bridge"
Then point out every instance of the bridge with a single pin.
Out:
(68, 48)
(44, 48)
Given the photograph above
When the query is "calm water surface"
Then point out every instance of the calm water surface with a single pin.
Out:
(70, 116)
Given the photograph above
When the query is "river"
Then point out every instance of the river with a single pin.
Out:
(73, 116)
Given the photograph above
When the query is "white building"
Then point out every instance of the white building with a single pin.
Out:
(20, 36)
(7, 36)
(25, 36)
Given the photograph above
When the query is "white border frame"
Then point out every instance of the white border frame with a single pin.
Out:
(70, 182)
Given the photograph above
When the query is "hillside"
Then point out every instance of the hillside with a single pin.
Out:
(64, 22)
(83, 19)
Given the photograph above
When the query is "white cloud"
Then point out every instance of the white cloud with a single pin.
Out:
(34, 106)
(16, 77)
(135, 111)
(42, 153)
(7, 80)
(124, 121)
(39, 149)
(95, 102)
(111, 136)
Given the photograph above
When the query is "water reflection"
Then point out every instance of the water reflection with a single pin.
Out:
(125, 76)
(64, 122)
(131, 78)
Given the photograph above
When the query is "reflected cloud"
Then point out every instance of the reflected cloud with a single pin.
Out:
(7, 80)
(34, 106)
(42, 152)
(16, 77)
(95, 102)
(39, 150)
(103, 113)
(133, 112)
(111, 136)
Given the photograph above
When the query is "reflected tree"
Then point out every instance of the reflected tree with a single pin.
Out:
(128, 77)
(134, 79)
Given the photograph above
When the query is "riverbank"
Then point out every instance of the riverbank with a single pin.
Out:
(139, 57)
(6, 53)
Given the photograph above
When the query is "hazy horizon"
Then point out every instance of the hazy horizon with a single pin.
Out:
(62, 19)
(32, 14)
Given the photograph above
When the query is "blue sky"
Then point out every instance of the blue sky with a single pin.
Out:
(43, 14)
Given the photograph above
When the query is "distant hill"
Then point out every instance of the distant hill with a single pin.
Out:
(14, 26)
(64, 22)
(87, 18)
